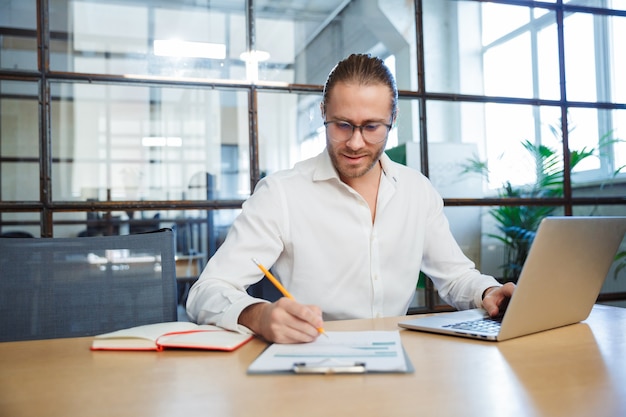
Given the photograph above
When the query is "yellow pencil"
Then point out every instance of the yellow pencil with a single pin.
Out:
(280, 287)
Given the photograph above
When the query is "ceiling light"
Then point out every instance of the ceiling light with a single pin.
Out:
(188, 49)
(256, 56)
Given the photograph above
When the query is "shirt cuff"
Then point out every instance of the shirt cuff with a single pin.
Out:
(230, 318)
(478, 298)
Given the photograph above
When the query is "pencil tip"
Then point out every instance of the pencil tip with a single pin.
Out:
(255, 261)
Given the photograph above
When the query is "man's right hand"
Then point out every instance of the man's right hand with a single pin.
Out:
(285, 321)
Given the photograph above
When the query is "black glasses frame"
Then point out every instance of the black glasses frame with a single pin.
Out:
(360, 127)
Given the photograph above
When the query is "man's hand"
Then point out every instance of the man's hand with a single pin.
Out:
(285, 321)
(495, 299)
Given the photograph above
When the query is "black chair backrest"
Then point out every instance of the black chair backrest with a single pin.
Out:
(66, 287)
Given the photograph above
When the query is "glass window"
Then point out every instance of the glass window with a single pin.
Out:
(18, 35)
(290, 129)
(19, 141)
(594, 58)
(498, 50)
(196, 231)
(173, 39)
(598, 138)
(499, 142)
(507, 233)
(302, 46)
(611, 4)
(121, 142)
(22, 224)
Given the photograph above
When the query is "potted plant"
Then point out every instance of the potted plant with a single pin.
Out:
(517, 225)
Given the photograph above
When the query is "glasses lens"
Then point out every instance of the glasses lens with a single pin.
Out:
(374, 132)
(343, 131)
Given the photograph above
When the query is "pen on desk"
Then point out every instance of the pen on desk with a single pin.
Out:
(280, 287)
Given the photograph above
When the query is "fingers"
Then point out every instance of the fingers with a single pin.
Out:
(492, 309)
(287, 321)
(496, 300)
(508, 289)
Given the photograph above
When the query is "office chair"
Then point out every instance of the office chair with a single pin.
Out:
(83, 286)
(16, 233)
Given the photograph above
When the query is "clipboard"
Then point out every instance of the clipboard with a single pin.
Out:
(329, 368)
(369, 352)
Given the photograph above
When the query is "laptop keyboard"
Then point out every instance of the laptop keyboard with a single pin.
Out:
(484, 325)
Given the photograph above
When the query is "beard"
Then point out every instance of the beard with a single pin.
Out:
(369, 158)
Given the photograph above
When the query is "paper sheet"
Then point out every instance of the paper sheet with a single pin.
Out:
(379, 351)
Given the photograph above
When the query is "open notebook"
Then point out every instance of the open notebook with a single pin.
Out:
(559, 283)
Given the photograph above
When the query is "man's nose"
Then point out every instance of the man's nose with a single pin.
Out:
(357, 140)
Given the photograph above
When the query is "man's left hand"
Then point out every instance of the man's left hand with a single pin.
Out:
(495, 299)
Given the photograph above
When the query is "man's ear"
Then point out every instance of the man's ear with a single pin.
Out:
(322, 110)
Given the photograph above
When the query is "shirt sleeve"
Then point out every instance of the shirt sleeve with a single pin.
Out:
(454, 275)
(219, 296)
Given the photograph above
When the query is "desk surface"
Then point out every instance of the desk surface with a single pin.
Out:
(577, 370)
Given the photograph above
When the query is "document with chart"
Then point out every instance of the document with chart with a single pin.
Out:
(340, 352)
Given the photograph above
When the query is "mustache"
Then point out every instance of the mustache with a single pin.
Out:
(348, 152)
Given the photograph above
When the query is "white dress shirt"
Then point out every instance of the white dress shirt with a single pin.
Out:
(317, 235)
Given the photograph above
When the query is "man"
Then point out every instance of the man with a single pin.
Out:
(347, 232)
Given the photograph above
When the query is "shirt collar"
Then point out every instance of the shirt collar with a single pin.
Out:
(324, 169)
(390, 169)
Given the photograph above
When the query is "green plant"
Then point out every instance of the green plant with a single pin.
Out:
(517, 224)
(620, 258)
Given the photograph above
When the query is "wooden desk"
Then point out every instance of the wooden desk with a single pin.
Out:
(189, 267)
(577, 370)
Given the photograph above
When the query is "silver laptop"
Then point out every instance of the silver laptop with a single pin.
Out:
(559, 283)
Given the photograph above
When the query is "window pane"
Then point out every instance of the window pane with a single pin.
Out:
(594, 58)
(164, 39)
(617, 56)
(20, 181)
(18, 36)
(290, 129)
(495, 142)
(524, 61)
(304, 44)
(116, 142)
(598, 139)
(505, 232)
(20, 224)
(547, 67)
(403, 140)
(514, 135)
(450, 39)
(19, 144)
(496, 49)
(617, 4)
(500, 19)
(612, 4)
(580, 62)
(465, 224)
(196, 231)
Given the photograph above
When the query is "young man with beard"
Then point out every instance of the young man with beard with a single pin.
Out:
(347, 232)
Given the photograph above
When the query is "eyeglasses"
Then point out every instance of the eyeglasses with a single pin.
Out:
(373, 132)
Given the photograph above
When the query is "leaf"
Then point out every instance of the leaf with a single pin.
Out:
(621, 258)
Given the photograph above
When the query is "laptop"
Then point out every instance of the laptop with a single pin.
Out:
(559, 283)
